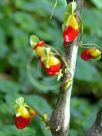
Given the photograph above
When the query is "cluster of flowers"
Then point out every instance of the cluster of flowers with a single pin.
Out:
(48, 61)
(51, 63)
(71, 30)
(23, 113)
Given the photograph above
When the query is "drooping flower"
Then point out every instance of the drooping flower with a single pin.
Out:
(91, 54)
(39, 48)
(71, 31)
(23, 114)
(53, 65)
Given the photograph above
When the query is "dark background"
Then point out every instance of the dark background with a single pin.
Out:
(18, 20)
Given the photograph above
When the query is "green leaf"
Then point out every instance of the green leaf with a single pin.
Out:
(86, 71)
(17, 59)
(5, 110)
(33, 40)
(9, 86)
(92, 28)
(13, 131)
(98, 3)
(3, 47)
(20, 40)
(40, 128)
(71, 7)
(81, 111)
(10, 99)
(38, 102)
(25, 21)
(73, 132)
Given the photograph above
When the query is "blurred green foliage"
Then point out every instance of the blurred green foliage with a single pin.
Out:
(18, 20)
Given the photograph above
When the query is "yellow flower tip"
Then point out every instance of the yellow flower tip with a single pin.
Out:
(39, 51)
(95, 53)
(73, 22)
(22, 111)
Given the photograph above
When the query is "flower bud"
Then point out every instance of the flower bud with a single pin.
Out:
(90, 53)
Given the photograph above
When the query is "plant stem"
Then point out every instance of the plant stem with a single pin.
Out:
(57, 53)
(96, 129)
(81, 27)
(90, 45)
(60, 118)
(38, 113)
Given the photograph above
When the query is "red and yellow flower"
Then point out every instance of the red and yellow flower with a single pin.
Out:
(23, 114)
(39, 48)
(48, 61)
(53, 65)
(90, 54)
(71, 30)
